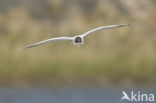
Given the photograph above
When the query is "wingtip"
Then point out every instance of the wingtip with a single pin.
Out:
(125, 24)
(19, 49)
(129, 24)
(122, 25)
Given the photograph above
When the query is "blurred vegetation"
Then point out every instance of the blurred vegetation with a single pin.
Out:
(123, 56)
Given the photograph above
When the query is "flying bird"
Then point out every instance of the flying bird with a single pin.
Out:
(76, 40)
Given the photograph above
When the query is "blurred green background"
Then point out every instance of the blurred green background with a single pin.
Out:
(124, 56)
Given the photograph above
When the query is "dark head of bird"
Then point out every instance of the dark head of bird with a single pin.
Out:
(78, 40)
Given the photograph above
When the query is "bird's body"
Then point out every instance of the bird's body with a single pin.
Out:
(77, 40)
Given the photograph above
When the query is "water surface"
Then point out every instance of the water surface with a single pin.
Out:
(64, 95)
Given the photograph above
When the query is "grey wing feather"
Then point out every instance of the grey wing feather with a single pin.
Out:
(46, 41)
(104, 27)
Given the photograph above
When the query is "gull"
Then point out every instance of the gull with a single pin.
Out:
(76, 40)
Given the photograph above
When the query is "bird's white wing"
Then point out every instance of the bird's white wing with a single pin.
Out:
(104, 27)
(46, 41)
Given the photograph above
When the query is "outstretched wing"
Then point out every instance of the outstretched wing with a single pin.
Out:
(46, 41)
(104, 27)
